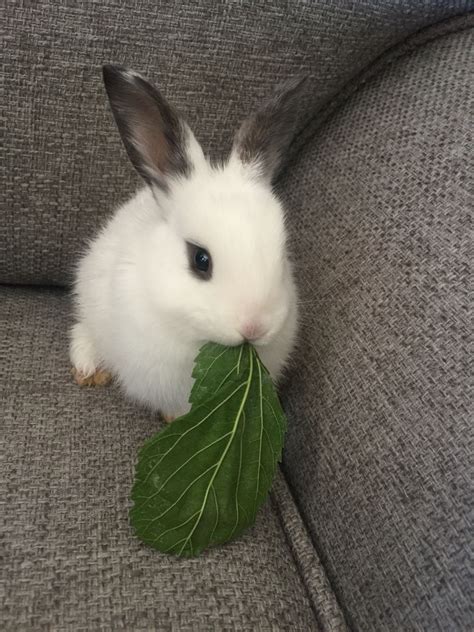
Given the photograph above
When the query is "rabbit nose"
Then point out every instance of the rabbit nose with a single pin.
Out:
(252, 331)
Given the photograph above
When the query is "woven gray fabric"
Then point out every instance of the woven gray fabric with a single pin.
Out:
(65, 168)
(325, 606)
(379, 450)
(69, 558)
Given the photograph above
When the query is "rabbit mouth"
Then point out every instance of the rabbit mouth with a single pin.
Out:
(262, 342)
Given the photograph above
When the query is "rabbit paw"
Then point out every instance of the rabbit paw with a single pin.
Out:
(98, 378)
(85, 360)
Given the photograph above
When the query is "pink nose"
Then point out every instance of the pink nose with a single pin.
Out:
(252, 331)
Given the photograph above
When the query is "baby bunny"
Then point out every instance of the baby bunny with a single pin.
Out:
(197, 255)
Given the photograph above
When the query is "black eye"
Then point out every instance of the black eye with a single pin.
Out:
(200, 261)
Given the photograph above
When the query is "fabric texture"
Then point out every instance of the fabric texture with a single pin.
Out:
(69, 558)
(380, 444)
(65, 168)
(327, 610)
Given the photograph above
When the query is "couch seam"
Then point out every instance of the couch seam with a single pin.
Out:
(297, 564)
(316, 607)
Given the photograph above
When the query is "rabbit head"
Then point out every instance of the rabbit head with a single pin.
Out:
(213, 260)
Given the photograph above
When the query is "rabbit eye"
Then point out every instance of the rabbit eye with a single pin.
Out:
(200, 261)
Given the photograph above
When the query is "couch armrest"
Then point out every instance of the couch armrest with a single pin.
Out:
(380, 440)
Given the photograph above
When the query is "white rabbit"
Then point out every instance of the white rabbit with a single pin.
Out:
(199, 254)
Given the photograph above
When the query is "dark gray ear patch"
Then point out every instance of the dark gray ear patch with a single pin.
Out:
(264, 137)
(152, 132)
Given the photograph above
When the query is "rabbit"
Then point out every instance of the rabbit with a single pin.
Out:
(199, 254)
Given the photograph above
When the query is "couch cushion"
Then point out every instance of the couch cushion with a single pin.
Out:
(379, 452)
(69, 558)
(65, 167)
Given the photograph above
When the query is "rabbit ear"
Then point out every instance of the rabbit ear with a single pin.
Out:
(264, 137)
(154, 136)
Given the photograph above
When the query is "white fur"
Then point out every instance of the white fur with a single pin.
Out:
(143, 315)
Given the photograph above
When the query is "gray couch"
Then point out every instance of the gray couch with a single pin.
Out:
(368, 526)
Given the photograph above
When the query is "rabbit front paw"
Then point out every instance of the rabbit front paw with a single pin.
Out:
(84, 358)
(98, 378)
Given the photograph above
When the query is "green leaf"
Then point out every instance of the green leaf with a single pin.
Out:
(200, 481)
